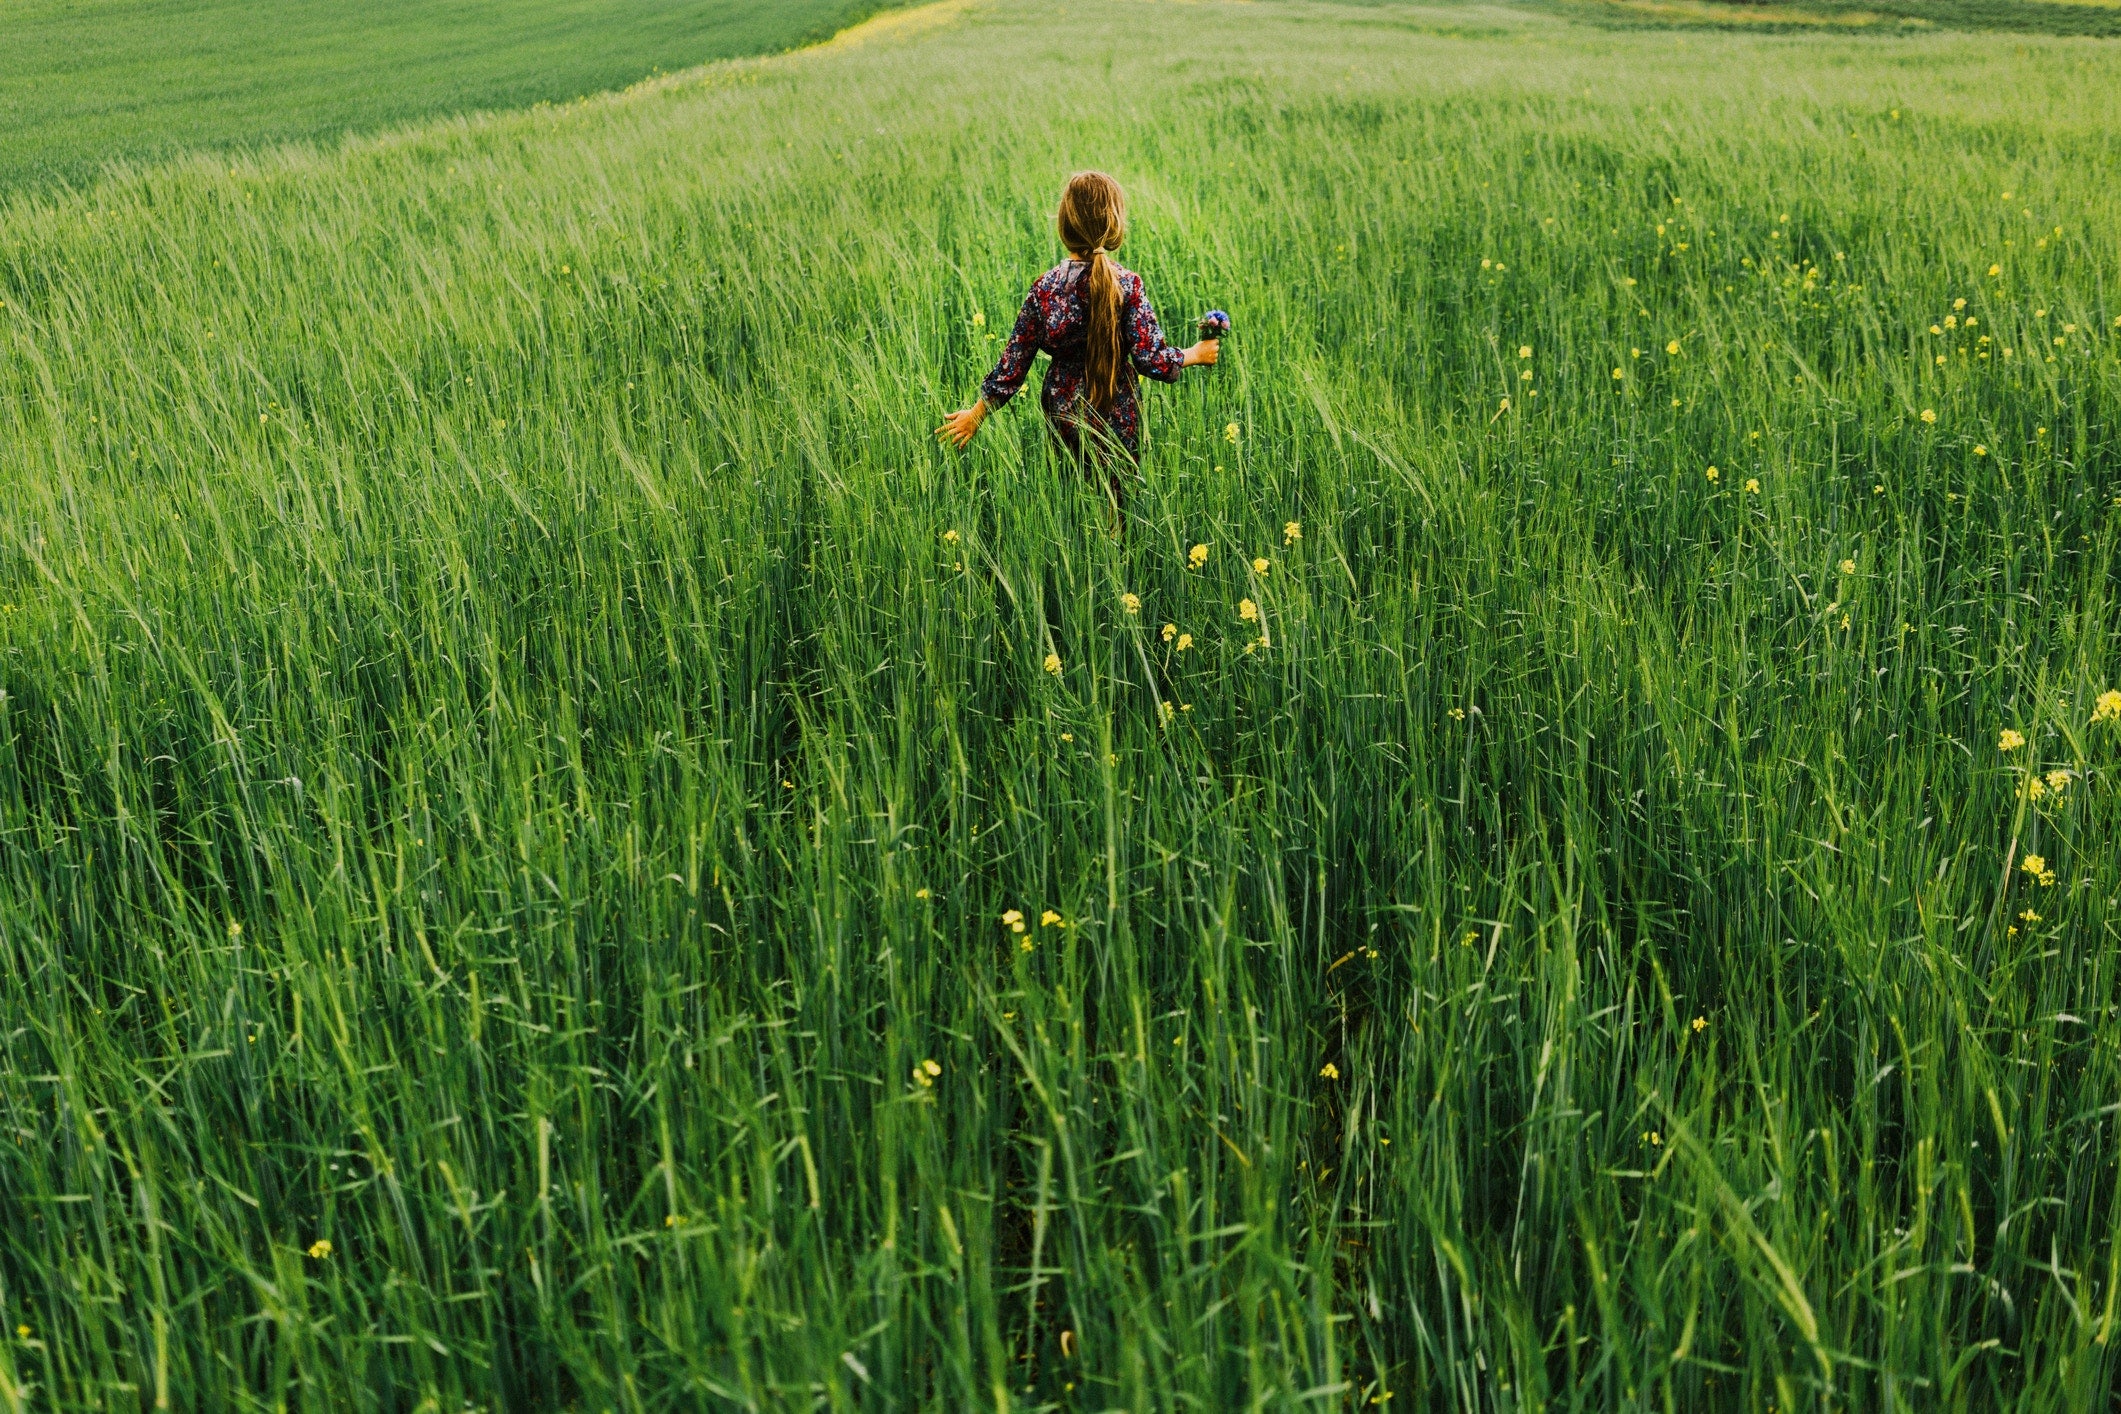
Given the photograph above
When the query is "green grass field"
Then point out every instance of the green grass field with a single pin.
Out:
(516, 746)
(87, 82)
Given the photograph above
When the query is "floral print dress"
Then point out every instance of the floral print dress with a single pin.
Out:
(1055, 318)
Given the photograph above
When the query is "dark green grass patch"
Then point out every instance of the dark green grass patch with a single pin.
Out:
(86, 81)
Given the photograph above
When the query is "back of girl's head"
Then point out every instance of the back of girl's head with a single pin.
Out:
(1093, 220)
(1093, 213)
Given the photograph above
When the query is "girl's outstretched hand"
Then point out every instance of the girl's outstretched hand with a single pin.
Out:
(958, 427)
(1206, 351)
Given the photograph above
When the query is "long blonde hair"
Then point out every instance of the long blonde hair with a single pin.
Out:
(1093, 221)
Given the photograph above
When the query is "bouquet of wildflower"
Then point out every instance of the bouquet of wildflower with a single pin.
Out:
(1215, 325)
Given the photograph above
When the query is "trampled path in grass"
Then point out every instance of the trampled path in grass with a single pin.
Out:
(543, 863)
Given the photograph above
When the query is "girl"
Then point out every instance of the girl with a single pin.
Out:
(1090, 315)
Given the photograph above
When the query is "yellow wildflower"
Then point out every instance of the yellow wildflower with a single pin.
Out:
(1260, 565)
(320, 1249)
(1713, 473)
(1672, 347)
(2108, 708)
(1701, 1024)
(979, 318)
(1230, 434)
(1995, 270)
(1170, 632)
(1848, 566)
(1053, 664)
(1013, 920)
(1131, 603)
(1048, 918)
(1330, 1071)
(1247, 610)
(1752, 483)
(1980, 450)
(1929, 415)
(2010, 739)
(2058, 781)
(1185, 641)
(1197, 556)
(1525, 351)
(2033, 864)
(1292, 532)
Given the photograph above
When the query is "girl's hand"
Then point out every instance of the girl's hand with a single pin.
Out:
(958, 427)
(1204, 352)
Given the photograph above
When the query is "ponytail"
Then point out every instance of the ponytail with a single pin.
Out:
(1101, 358)
(1093, 221)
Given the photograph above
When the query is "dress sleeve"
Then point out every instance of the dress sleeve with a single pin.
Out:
(1144, 337)
(1008, 375)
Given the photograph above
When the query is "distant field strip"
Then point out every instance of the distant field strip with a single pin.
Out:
(83, 82)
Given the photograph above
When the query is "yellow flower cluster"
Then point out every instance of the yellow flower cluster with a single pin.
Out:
(2010, 739)
(2054, 783)
(1197, 556)
(924, 1074)
(2109, 706)
(2036, 866)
